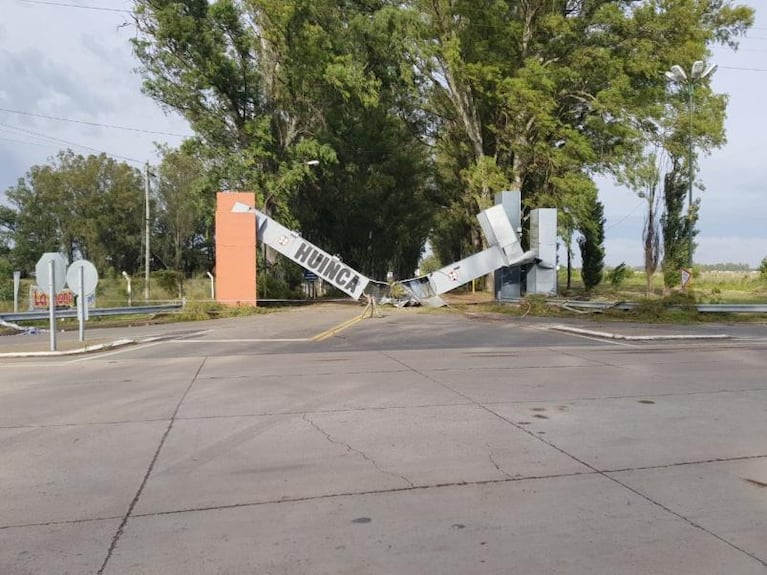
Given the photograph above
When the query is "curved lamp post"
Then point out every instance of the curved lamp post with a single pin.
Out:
(677, 74)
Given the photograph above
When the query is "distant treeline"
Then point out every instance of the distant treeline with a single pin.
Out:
(726, 267)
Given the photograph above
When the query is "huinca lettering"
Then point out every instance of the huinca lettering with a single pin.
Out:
(342, 275)
(328, 268)
(352, 285)
(316, 260)
(303, 252)
(332, 269)
(324, 263)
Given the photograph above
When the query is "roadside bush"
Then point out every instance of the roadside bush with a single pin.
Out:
(171, 281)
(679, 307)
(6, 289)
(429, 264)
(195, 311)
(619, 274)
(6, 280)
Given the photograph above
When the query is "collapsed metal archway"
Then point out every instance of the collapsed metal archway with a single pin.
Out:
(504, 250)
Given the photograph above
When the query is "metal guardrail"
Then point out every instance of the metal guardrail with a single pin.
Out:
(732, 308)
(96, 312)
(702, 308)
(154, 309)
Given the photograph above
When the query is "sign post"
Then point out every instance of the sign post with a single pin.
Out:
(83, 278)
(50, 273)
(52, 302)
(686, 277)
(82, 305)
(16, 284)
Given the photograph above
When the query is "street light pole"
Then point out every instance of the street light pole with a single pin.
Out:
(691, 170)
(677, 74)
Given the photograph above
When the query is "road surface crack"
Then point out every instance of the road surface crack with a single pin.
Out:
(152, 463)
(351, 449)
(495, 463)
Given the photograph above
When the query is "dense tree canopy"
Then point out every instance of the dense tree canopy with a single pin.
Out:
(271, 85)
(85, 207)
(184, 208)
(372, 125)
(541, 95)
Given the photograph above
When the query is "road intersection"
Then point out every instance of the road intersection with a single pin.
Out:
(414, 443)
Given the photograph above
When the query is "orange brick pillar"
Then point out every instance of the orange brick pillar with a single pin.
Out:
(235, 250)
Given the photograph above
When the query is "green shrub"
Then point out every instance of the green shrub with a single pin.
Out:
(171, 281)
(6, 280)
(679, 307)
(619, 274)
(429, 264)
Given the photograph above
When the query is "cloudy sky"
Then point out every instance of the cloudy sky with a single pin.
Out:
(74, 63)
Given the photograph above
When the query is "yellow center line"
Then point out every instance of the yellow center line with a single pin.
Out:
(336, 329)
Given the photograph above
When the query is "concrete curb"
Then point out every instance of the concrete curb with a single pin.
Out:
(85, 349)
(610, 335)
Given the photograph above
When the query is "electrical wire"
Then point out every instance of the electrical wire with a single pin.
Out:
(41, 144)
(111, 126)
(65, 5)
(742, 69)
(627, 216)
(69, 143)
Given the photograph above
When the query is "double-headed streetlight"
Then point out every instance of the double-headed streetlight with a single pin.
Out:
(677, 74)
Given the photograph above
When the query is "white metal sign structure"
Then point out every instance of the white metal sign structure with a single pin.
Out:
(504, 250)
(90, 277)
(52, 274)
(42, 271)
(83, 278)
(292, 245)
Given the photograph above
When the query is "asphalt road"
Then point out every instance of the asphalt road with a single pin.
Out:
(309, 442)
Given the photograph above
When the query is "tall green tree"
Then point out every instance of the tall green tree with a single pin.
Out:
(268, 85)
(676, 223)
(695, 125)
(7, 227)
(371, 208)
(549, 92)
(644, 179)
(248, 76)
(591, 244)
(540, 94)
(7, 224)
(84, 207)
(185, 208)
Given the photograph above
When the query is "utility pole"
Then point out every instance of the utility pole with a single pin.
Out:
(146, 231)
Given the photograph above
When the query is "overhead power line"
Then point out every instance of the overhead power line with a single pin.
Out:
(41, 144)
(112, 126)
(65, 5)
(742, 69)
(68, 143)
(627, 216)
